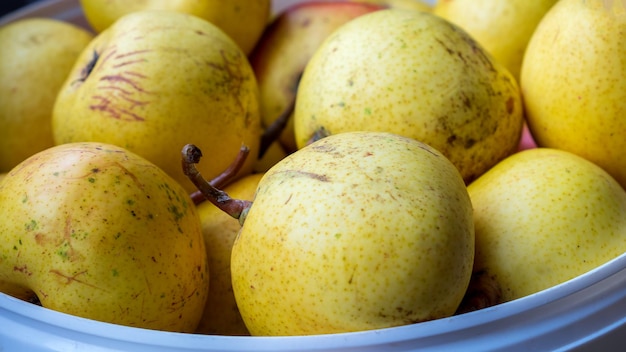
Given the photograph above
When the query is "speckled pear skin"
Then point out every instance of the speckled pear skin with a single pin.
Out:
(417, 75)
(37, 55)
(358, 231)
(573, 82)
(544, 216)
(98, 232)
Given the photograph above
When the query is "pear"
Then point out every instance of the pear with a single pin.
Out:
(573, 82)
(156, 80)
(36, 57)
(414, 74)
(96, 231)
(543, 216)
(357, 231)
(221, 314)
(503, 28)
(242, 20)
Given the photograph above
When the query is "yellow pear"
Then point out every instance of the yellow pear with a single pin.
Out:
(573, 82)
(157, 80)
(242, 20)
(36, 57)
(221, 315)
(503, 28)
(412, 73)
(96, 231)
(543, 216)
(357, 231)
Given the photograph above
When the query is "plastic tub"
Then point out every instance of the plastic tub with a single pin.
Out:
(586, 313)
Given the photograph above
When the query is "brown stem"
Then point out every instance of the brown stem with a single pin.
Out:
(226, 176)
(273, 131)
(234, 207)
(319, 133)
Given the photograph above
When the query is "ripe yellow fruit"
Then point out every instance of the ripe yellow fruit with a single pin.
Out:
(544, 216)
(357, 231)
(574, 82)
(503, 28)
(414, 74)
(242, 20)
(157, 80)
(96, 231)
(36, 57)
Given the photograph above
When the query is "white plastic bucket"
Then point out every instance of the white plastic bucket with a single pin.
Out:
(586, 313)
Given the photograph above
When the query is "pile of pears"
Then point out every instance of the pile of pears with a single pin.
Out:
(322, 167)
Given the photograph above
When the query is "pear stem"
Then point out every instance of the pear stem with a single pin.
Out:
(236, 208)
(320, 133)
(273, 131)
(221, 180)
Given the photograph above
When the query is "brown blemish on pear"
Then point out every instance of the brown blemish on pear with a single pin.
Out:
(234, 78)
(68, 279)
(127, 83)
(65, 248)
(86, 71)
(318, 134)
(23, 269)
(131, 54)
(316, 176)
